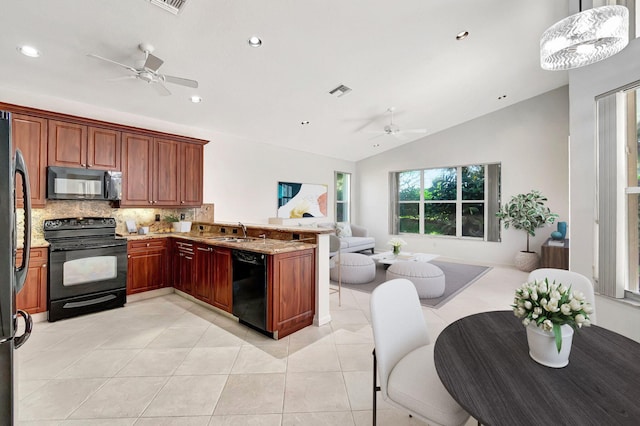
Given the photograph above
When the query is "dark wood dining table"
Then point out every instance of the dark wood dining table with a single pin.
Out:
(483, 361)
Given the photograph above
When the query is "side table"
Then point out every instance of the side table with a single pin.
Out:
(553, 256)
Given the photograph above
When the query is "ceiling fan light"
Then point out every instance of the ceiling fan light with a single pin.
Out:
(585, 38)
(29, 51)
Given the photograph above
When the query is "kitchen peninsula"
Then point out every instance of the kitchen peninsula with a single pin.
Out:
(205, 265)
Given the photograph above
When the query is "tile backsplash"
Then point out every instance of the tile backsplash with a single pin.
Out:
(142, 217)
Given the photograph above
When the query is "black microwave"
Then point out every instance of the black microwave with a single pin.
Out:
(68, 183)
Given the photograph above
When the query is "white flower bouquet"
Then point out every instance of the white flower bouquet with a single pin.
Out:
(549, 306)
(396, 243)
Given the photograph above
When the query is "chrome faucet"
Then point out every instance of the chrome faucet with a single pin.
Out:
(244, 229)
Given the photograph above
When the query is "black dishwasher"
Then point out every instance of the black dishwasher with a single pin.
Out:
(250, 288)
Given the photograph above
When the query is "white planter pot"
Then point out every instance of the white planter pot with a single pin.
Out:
(542, 346)
(527, 261)
(181, 226)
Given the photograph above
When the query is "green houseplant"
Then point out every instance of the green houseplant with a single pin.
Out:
(528, 213)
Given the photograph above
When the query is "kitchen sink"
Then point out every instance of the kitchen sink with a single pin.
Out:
(232, 239)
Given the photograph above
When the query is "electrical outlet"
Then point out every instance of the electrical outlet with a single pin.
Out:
(157, 218)
(181, 216)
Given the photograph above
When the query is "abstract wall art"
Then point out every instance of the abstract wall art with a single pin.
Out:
(298, 200)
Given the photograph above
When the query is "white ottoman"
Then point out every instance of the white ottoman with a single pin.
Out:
(356, 268)
(428, 278)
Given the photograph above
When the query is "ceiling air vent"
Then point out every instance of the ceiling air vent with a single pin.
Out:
(173, 6)
(340, 91)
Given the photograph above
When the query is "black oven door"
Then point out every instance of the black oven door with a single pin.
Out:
(86, 280)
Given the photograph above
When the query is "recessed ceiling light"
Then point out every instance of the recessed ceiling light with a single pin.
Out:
(502, 97)
(254, 41)
(376, 145)
(196, 99)
(304, 122)
(462, 35)
(29, 51)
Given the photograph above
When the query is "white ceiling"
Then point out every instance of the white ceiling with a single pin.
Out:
(400, 53)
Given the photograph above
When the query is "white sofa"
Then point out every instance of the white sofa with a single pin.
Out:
(359, 241)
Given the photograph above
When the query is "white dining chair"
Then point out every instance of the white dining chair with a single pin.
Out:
(403, 357)
(568, 278)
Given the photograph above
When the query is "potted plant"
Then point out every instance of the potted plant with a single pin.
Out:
(177, 224)
(526, 212)
(551, 311)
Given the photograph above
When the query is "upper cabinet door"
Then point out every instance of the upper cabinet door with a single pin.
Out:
(137, 154)
(67, 144)
(191, 176)
(166, 172)
(103, 149)
(29, 134)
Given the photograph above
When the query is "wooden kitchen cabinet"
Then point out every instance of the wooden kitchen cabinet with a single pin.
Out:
(148, 263)
(33, 296)
(183, 266)
(165, 185)
(160, 172)
(191, 174)
(104, 149)
(77, 145)
(291, 291)
(137, 159)
(222, 279)
(29, 134)
(204, 272)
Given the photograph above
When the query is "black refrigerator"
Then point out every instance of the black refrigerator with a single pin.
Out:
(12, 277)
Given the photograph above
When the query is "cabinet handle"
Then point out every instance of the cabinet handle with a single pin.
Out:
(150, 202)
(89, 165)
(44, 265)
(148, 244)
(83, 165)
(128, 256)
(181, 202)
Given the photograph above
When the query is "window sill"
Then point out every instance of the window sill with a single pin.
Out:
(631, 298)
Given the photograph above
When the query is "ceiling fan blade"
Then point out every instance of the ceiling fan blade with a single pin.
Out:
(130, 68)
(180, 81)
(153, 62)
(125, 77)
(161, 89)
(374, 132)
(414, 131)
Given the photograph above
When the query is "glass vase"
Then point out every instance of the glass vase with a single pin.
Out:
(396, 250)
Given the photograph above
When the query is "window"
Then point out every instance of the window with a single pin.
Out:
(343, 196)
(618, 191)
(453, 201)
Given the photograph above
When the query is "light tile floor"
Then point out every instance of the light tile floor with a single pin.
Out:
(169, 361)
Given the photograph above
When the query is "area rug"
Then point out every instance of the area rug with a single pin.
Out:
(458, 276)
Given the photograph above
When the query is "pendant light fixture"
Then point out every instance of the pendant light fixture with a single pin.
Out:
(584, 38)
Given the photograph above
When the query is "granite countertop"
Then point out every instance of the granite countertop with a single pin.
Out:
(35, 243)
(259, 245)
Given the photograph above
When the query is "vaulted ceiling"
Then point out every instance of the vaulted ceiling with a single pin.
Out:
(401, 53)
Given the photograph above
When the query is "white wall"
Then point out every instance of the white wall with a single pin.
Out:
(529, 139)
(240, 176)
(585, 84)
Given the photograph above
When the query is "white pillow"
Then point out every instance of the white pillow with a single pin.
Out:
(343, 229)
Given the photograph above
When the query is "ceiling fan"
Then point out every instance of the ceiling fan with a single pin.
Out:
(148, 71)
(393, 129)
